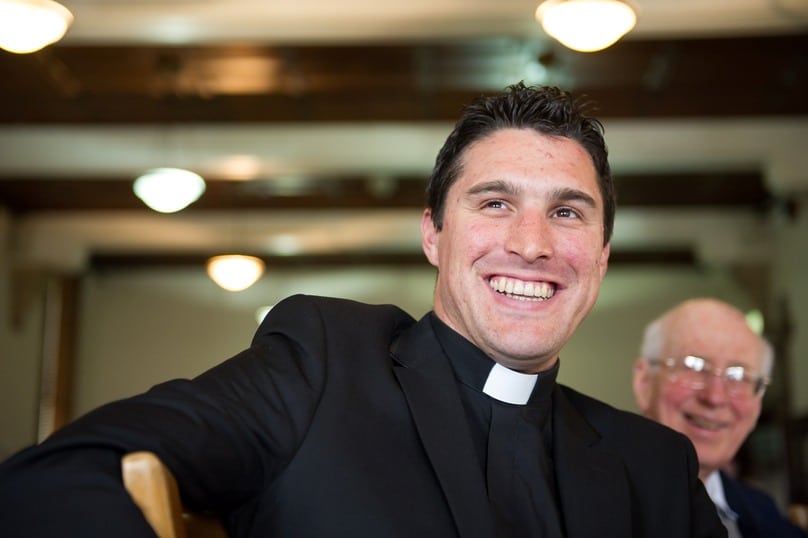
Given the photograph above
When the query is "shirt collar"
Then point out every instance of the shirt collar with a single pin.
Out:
(715, 489)
(508, 385)
(478, 371)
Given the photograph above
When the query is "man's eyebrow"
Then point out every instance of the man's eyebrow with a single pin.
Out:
(497, 186)
(562, 194)
(567, 194)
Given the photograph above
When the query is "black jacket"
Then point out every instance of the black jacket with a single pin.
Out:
(758, 515)
(344, 419)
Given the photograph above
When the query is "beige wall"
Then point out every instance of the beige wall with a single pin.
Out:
(20, 324)
(790, 284)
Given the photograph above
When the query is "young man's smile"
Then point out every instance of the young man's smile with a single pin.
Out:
(521, 253)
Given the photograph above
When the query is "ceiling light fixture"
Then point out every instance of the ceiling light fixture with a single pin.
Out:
(169, 190)
(586, 25)
(29, 25)
(235, 272)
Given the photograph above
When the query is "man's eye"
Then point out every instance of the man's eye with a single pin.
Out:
(566, 213)
(735, 373)
(494, 204)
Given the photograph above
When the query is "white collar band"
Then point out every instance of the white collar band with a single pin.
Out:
(509, 386)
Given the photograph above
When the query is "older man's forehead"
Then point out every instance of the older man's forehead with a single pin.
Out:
(723, 340)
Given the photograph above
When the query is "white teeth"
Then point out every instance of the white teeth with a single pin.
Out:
(519, 289)
(705, 424)
(508, 287)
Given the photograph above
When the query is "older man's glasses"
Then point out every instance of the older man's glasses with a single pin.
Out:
(695, 372)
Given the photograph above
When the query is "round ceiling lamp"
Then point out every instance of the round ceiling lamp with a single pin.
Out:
(235, 272)
(169, 190)
(586, 25)
(29, 25)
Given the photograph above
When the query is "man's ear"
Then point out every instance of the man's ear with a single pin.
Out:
(429, 237)
(604, 260)
(642, 384)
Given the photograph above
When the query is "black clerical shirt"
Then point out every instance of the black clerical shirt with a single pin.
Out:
(513, 442)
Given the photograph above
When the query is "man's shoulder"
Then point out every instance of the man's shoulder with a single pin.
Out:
(337, 304)
(755, 503)
(314, 314)
(734, 488)
(624, 426)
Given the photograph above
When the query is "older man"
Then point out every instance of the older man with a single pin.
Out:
(703, 372)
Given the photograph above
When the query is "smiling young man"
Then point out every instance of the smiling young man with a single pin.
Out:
(703, 372)
(521, 249)
(348, 419)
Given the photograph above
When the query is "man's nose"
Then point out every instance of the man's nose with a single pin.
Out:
(531, 236)
(714, 390)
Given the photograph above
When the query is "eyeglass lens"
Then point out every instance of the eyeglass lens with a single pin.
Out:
(696, 371)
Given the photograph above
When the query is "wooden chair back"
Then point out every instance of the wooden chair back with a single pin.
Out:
(798, 514)
(154, 490)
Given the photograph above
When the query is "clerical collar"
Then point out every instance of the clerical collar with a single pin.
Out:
(478, 371)
(508, 385)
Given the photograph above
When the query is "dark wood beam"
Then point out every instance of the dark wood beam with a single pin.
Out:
(71, 84)
(740, 190)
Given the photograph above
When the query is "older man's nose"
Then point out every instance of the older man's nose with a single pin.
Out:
(714, 389)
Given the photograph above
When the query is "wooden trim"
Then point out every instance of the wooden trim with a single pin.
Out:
(58, 353)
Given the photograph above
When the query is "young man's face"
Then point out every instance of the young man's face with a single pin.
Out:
(520, 257)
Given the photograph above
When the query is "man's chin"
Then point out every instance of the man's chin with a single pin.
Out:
(709, 461)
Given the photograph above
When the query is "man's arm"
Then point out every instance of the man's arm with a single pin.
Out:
(222, 435)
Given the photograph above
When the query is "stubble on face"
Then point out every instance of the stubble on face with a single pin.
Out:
(521, 252)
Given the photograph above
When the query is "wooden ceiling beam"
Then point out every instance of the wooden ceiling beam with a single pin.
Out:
(749, 76)
(740, 190)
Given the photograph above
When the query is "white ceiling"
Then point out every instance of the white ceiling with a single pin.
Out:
(276, 21)
(776, 146)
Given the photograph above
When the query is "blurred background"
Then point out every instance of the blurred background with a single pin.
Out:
(315, 126)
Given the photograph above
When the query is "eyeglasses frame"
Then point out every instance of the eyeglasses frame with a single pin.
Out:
(758, 383)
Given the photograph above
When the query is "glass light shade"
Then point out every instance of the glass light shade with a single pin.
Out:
(169, 190)
(235, 272)
(586, 25)
(29, 25)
